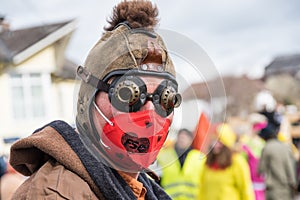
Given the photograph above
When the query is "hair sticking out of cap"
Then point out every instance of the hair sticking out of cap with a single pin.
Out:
(136, 13)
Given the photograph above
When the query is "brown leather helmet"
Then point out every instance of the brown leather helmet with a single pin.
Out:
(117, 52)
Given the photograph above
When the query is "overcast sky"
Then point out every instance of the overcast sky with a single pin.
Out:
(240, 36)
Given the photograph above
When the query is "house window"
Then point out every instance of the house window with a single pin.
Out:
(28, 95)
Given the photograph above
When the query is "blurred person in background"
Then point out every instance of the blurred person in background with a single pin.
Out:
(277, 164)
(9, 182)
(181, 166)
(126, 102)
(251, 145)
(3, 166)
(226, 174)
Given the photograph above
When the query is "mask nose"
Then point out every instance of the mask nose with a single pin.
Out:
(148, 106)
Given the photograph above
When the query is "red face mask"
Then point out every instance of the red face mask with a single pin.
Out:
(135, 139)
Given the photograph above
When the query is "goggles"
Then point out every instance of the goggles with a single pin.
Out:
(128, 93)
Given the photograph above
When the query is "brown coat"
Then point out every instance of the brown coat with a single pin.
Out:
(49, 178)
(61, 167)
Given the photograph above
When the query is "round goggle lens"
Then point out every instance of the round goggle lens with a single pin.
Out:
(125, 94)
(129, 94)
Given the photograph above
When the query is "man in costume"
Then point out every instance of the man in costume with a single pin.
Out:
(126, 100)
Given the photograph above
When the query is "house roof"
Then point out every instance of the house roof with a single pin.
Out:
(18, 45)
(232, 85)
(239, 92)
(284, 64)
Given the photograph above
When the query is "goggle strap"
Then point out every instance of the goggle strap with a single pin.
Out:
(138, 72)
(102, 86)
(88, 78)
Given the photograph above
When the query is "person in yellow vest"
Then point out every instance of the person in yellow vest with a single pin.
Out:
(226, 174)
(181, 166)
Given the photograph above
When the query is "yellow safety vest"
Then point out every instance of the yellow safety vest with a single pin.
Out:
(181, 183)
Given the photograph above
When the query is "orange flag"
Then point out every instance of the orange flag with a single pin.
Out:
(201, 133)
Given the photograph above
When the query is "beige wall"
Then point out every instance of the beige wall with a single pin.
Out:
(43, 62)
(40, 62)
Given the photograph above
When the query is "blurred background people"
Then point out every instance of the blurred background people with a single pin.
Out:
(251, 146)
(278, 165)
(9, 182)
(2, 166)
(181, 165)
(226, 174)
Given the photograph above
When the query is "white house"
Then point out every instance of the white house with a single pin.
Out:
(36, 80)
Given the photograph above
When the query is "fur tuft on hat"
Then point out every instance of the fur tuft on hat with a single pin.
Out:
(137, 13)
